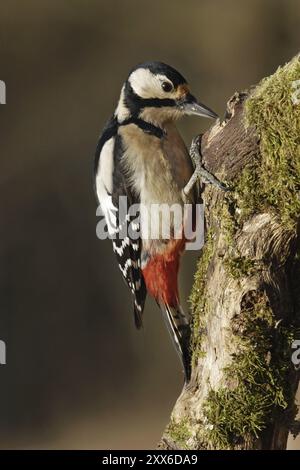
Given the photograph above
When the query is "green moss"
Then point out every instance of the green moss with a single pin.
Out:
(238, 266)
(274, 180)
(247, 194)
(256, 381)
(227, 219)
(198, 299)
(179, 431)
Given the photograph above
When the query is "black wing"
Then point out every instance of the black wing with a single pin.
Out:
(115, 197)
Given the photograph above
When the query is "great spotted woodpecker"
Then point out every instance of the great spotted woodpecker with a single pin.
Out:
(141, 155)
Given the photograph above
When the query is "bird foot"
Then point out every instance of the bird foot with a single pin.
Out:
(200, 173)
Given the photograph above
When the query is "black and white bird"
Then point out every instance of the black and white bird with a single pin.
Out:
(141, 156)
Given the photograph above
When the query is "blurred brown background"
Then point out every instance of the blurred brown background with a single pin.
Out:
(78, 375)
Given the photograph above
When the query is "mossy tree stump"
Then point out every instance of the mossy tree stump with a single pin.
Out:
(246, 296)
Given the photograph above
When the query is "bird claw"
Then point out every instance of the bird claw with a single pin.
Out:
(200, 173)
(194, 150)
(208, 178)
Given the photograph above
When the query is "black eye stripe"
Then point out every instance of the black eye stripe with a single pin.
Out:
(135, 103)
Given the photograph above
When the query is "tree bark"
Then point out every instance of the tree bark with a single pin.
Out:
(245, 300)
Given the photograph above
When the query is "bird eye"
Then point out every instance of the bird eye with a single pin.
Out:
(167, 86)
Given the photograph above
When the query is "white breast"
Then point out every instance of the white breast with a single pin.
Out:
(158, 169)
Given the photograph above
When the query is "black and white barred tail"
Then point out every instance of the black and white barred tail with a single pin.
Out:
(179, 328)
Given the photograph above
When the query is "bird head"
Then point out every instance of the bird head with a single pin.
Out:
(157, 93)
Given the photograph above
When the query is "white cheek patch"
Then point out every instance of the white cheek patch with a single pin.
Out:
(147, 85)
(144, 83)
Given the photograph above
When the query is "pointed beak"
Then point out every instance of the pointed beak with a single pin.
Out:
(189, 105)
